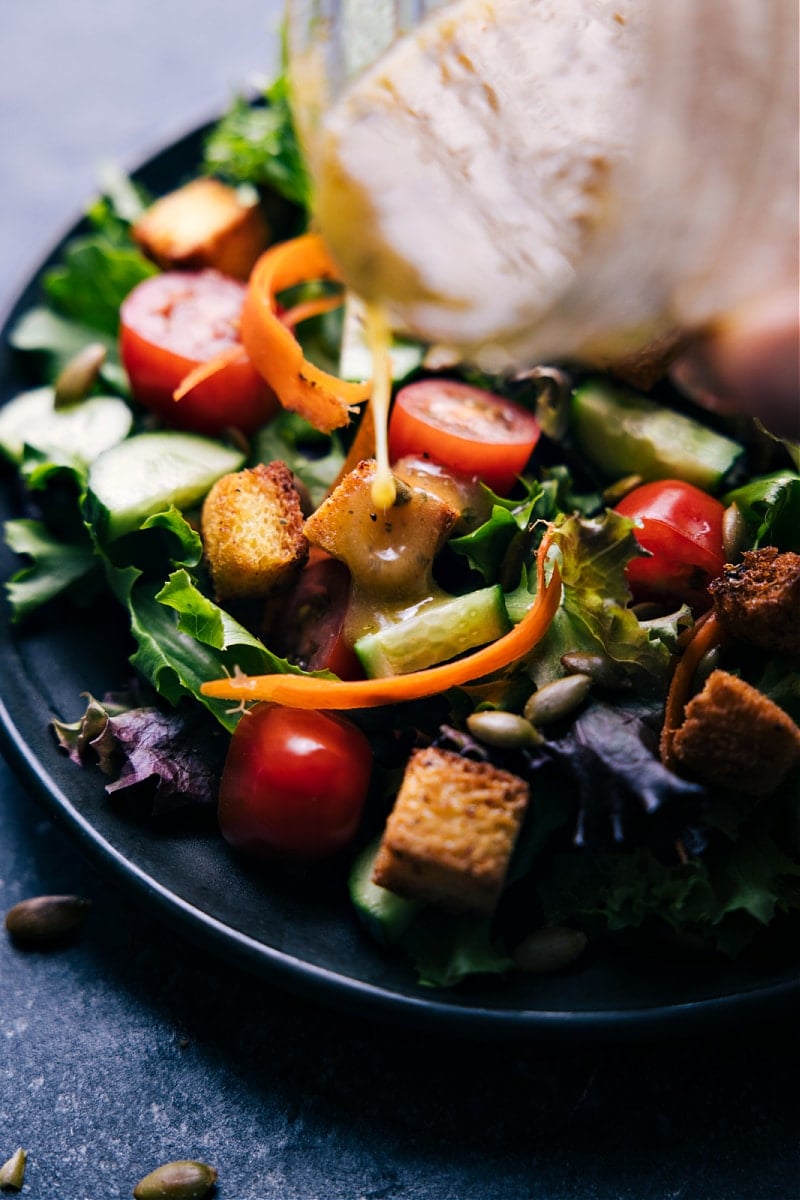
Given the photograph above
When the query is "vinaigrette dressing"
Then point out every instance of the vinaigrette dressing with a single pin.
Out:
(378, 335)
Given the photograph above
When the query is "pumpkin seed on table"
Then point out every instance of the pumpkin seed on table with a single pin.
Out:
(12, 1172)
(43, 920)
(183, 1179)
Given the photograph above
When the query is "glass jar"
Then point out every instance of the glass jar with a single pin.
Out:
(601, 176)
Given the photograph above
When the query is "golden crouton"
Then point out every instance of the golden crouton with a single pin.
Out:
(252, 530)
(450, 835)
(389, 552)
(203, 224)
(734, 737)
(758, 600)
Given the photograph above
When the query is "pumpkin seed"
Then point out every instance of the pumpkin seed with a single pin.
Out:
(505, 730)
(179, 1180)
(553, 392)
(79, 376)
(41, 920)
(735, 536)
(620, 488)
(550, 949)
(12, 1172)
(557, 700)
(601, 669)
(710, 661)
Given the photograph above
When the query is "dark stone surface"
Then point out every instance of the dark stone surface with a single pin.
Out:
(127, 1047)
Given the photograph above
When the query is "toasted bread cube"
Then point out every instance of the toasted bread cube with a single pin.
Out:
(203, 224)
(252, 530)
(451, 833)
(758, 600)
(390, 552)
(736, 738)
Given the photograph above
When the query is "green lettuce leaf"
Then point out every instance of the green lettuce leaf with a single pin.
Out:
(720, 901)
(594, 615)
(770, 505)
(174, 662)
(54, 566)
(257, 145)
(447, 948)
(315, 458)
(94, 277)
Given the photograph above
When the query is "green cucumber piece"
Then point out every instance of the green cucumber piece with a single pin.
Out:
(385, 915)
(625, 433)
(151, 472)
(80, 432)
(438, 632)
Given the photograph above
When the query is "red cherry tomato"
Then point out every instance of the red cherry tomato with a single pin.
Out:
(465, 428)
(294, 783)
(681, 526)
(172, 323)
(314, 638)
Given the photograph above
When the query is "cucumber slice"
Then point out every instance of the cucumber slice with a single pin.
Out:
(625, 433)
(385, 915)
(80, 432)
(148, 473)
(436, 633)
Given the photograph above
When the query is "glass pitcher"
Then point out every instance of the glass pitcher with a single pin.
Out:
(696, 206)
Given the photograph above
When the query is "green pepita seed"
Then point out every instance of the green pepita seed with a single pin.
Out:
(504, 730)
(553, 391)
(12, 1172)
(620, 488)
(550, 949)
(80, 374)
(601, 669)
(41, 920)
(710, 661)
(180, 1180)
(735, 536)
(557, 700)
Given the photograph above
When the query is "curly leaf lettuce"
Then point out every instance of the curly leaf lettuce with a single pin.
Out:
(594, 615)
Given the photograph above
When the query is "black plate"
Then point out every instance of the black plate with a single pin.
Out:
(302, 932)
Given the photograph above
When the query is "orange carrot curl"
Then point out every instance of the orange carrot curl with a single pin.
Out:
(704, 636)
(323, 399)
(205, 370)
(308, 691)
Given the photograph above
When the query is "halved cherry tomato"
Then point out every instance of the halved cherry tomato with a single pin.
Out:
(681, 526)
(294, 783)
(313, 638)
(169, 325)
(465, 428)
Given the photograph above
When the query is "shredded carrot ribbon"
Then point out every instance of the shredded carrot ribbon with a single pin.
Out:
(307, 309)
(323, 399)
(204, 370)
(705, 635)
(307, 691)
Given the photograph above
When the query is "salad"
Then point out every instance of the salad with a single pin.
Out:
(546, 694)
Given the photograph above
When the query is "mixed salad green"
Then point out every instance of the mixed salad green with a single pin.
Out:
(614, 843)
